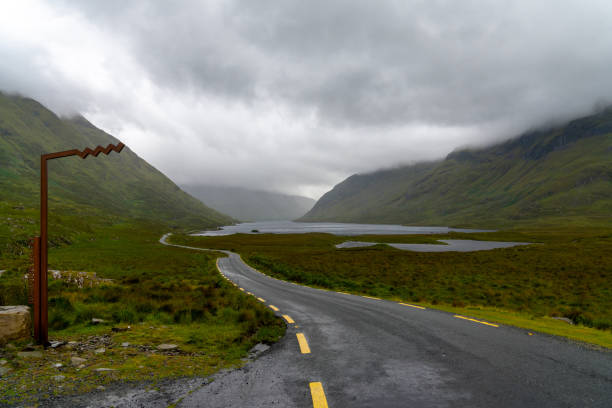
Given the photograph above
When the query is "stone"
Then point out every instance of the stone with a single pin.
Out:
(564, 319)
(76, 361)
(104, 370)
(97, 321)
(259, 348)
(56, 343)
(100, 388)
(126, 344)
(58, 365)
(119, 329)
(30, 354)
(4, 370)
(59, 377)
(3, 362)
(101, 350)
(167, 347)
(15, 323)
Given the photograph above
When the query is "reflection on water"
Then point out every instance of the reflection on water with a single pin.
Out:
(337, 228)
(459, 245)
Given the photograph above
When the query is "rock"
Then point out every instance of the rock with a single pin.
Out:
(11, 346)
(104, 370)
(97, 321)
(30, 354)
(258, 349)
(58, 365)
(15, 323)
(101, 350)
(564, 319)
(126, 344)
(167, 347)
(100, 387)
(59, 377)
(3, 362)
(119, 329)
(4, 370)
(76, 361)
(56, 343)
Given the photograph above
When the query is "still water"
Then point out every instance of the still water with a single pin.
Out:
(459, 245)
(291, 227)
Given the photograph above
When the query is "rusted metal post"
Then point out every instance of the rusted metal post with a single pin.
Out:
(43, 332)
(41, 323)
(36, 279)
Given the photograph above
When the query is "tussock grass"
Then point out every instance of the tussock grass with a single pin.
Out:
(565, 273)
(165, 294)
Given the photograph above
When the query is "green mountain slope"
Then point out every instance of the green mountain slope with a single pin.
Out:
(117, 185)
(251, 205)
(556, 175)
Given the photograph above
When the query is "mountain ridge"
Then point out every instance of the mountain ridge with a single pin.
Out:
(564, 171)
(120, 184)
(251, 205)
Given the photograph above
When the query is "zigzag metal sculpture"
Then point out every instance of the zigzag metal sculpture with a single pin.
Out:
(40, 243)
(101, 149)
(85, 152)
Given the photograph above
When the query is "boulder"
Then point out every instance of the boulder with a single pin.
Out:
(15, 323)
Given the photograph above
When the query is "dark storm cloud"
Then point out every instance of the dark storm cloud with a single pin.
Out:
(331, 84)
(380, 63)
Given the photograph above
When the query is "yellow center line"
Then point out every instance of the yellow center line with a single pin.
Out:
(318, 395)
(303, 343)
(288, 319)
(274, 308)
(474, 320)
(261, 300)
(242, 289)
(370, 297)
(250, 293)
(415, 306)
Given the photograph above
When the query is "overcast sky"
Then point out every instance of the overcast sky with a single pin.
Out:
(294, 96)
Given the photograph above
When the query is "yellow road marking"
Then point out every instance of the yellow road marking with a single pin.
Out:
(370, 297)
(407, 304)
(250, 293)
(474, 320)
(288, 319)
(318, 395)
(261, 300)
(274, 308)
(242, 289)
(303, 343)
(344, 293)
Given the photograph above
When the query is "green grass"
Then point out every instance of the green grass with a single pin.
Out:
(165, 294)
(565, 273)
(559, 174)
(121, 185)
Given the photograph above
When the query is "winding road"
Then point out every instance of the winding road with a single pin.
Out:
(344, 350)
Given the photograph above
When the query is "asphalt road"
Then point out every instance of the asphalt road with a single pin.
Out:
(365, 352)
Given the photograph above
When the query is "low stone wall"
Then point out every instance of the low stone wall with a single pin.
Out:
(15, 323)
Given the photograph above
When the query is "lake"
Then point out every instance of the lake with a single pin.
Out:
(336, 228)
(459, 245)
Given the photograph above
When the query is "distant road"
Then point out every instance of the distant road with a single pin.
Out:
(365, 352)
